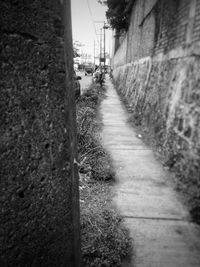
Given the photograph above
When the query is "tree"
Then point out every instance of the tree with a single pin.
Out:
(117, 13)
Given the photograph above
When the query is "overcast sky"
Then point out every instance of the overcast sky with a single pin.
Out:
(84, 15)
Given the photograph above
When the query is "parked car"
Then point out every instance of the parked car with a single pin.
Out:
(88, 71)
(77, 85)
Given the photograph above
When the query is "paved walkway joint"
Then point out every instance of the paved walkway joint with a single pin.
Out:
(159, 224)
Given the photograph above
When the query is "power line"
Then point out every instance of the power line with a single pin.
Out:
(89, 8)
(90, 11)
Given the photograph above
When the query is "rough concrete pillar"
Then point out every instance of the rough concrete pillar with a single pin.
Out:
(39, 223)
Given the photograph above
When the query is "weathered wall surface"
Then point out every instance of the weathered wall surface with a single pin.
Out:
(160, 80)
(38, 185)
(120, 57)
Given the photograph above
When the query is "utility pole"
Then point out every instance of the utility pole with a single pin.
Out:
(100, 49)
(104, 44)
(104, 28)
(100, 56)
(94, 54)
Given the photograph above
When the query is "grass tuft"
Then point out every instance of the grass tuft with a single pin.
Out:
(105, 240)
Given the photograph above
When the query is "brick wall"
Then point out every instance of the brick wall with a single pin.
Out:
(160, 81)
(196, 35)
(160, 26)
(39, 223)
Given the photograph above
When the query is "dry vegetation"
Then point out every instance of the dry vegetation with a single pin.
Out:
(105, 241)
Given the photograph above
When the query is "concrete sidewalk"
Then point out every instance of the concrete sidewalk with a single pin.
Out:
(158, 222)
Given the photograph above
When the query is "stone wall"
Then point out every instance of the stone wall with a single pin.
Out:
(39, 223)
(160, 81)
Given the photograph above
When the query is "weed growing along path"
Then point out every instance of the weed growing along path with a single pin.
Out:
(105, 241)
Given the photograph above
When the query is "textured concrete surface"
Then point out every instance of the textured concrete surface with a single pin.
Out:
(158, 222)
(39, 201)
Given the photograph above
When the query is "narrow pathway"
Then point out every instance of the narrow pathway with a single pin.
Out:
(158, 222)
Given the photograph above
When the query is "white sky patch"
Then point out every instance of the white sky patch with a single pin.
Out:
(85, 14)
